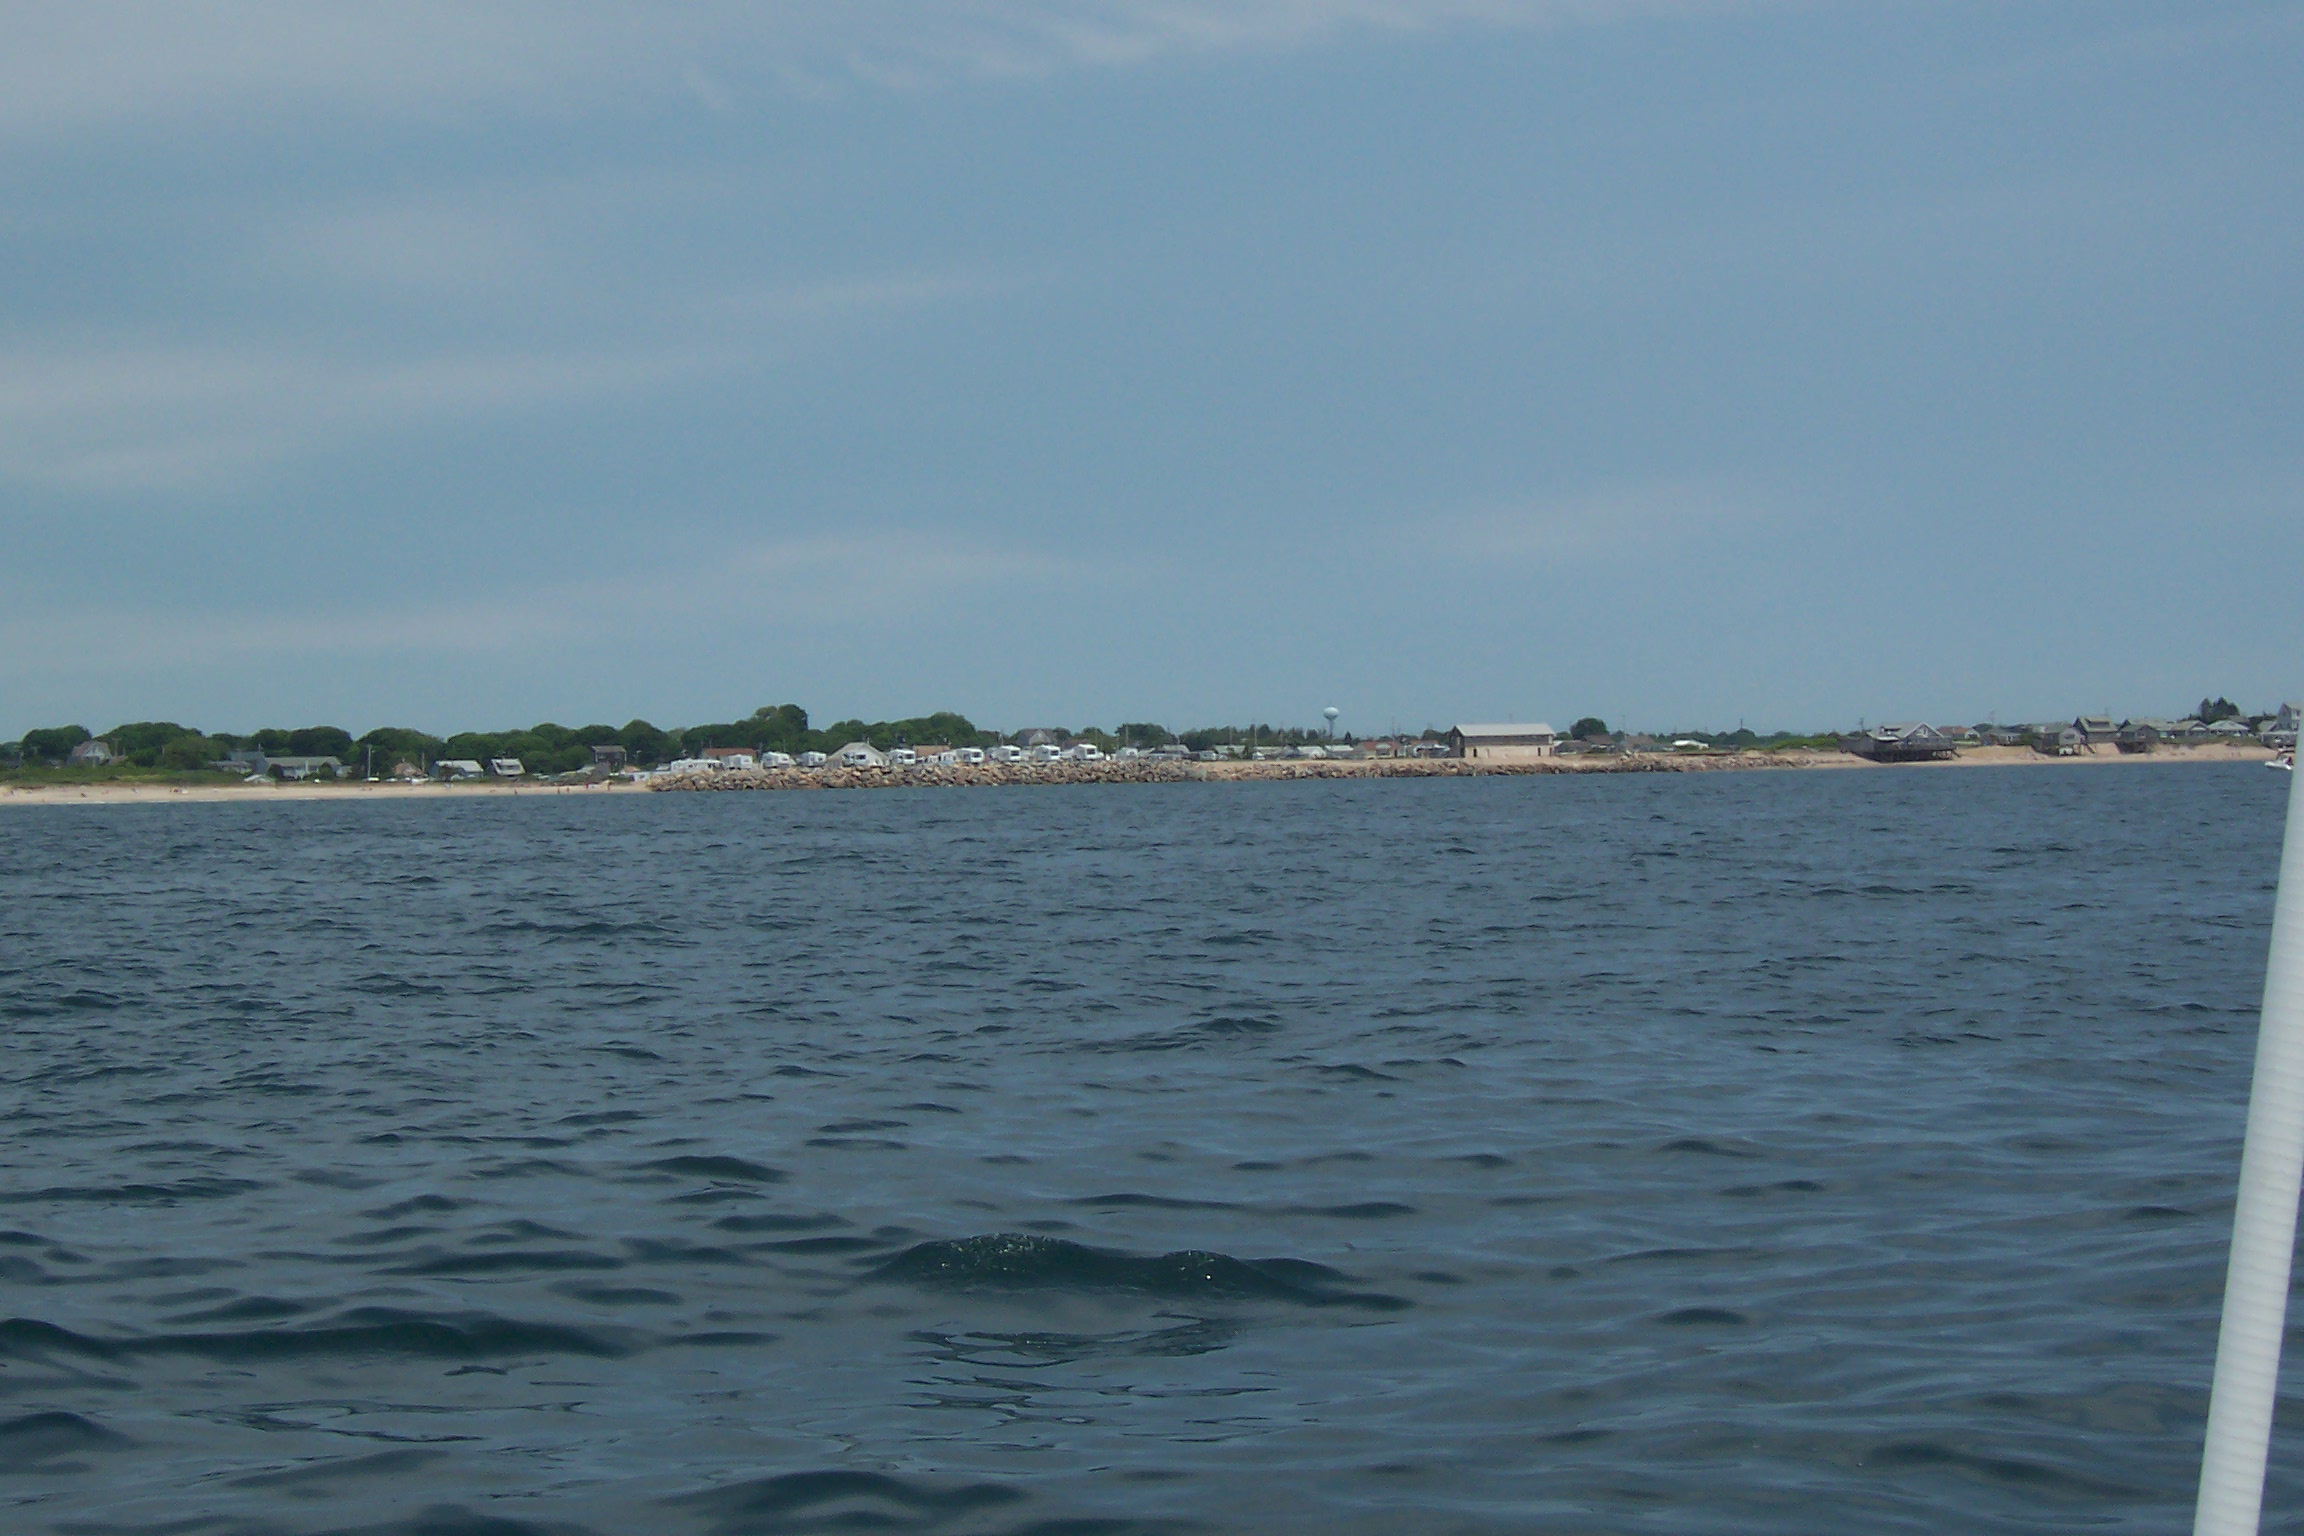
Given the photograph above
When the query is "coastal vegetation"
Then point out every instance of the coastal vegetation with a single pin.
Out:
(149, 749)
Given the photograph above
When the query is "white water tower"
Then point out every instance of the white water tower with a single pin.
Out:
(1331, 712)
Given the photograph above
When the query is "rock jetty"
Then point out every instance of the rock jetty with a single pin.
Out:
(1165, 771)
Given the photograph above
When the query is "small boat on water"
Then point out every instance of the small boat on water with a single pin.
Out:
(2285, 760)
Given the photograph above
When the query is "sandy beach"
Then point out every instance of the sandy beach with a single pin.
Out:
(1108, 772)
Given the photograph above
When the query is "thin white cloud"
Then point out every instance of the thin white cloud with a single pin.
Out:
(1652, 517)
(891, 579)
(110, 418)
(107, 61)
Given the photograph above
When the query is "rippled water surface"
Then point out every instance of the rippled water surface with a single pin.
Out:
(1707, 1153)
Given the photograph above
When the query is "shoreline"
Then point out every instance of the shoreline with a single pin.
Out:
(1138, 771)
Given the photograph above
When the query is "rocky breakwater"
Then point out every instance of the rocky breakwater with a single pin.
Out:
(1162, 771)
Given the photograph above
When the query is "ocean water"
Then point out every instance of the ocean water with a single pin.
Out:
(1797, 1152)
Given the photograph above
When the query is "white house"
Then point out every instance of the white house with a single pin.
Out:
(506, 767)
(1503, 743)
(861, 754)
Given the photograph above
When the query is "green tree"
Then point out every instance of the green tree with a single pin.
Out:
(1590, 728)
(187, 754)
(320, 741)
(643, 743)
(142, 742)
(53, 744)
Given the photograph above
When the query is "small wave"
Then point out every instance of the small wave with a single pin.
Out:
(843, 1500)
(505, 1262)
(347, 1469)
(616, 1295)
(1365, 1210)
(136, 1194)
(432, 1204)
(364, 1331)
(1235, 1024)
(1154, 1203)
(2006, 1470)
(719, 1167)
(39, 1437)
(777, 1223)
(1708, 1147)
(84, 1000)
(1014, 1261)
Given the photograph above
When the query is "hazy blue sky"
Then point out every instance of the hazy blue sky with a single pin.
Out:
(480, 363)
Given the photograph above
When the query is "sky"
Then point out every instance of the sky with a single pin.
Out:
(478, 363)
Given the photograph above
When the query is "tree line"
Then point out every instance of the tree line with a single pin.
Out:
(549, 748)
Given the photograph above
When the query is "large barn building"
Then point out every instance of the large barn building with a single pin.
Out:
(1502, 743)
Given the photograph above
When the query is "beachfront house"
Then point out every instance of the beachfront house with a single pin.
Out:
(458, 768)
(1502, 743)
(1910, 741)
(2058, 741)
(2229, 730)
(2280, 730)
(861, 754)
(89, 754)
(2142, 735)
(2096, 730)
(608, 759)
(2002, 735)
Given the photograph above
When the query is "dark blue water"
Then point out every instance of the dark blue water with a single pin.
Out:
(1799, 1152)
